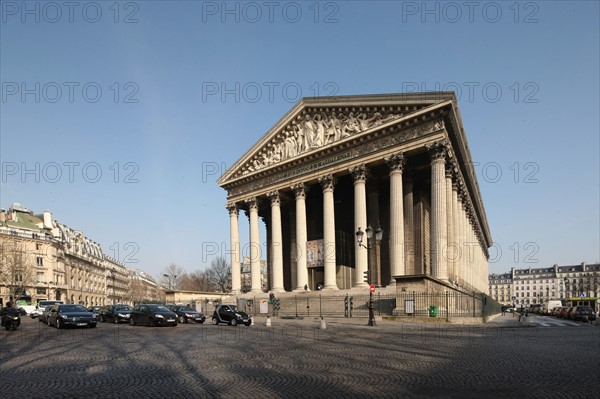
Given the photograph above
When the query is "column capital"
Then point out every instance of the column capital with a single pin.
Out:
(232, 208)
(437, 150)
(274, 197)
(396, 162)
(359, 173)
(252, 203)
(299, 190)
(327, 182)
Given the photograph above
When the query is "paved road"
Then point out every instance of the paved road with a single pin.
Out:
(294, 358)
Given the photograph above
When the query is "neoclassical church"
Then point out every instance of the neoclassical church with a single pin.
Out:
(331, 166)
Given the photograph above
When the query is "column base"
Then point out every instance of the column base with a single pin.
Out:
(277, 290)
(330, 288)
(256, 291)
(360, 285)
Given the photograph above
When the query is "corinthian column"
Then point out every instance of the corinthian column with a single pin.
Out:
(448, 253)
(255, 279)
(234, 239)
(438, 210)
(276, 242)
(327, 183)
(301, 271)
(360, 220)
(397, 263)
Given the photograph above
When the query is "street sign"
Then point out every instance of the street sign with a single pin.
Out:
(514, 297)
(372, 288)
(581, 295)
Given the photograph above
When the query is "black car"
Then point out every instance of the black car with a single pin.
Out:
(230, 314)
(582, 313)
(95, 309)
(43, 316)
(71, 315)
(115, 313)
(186, 314)
(152, 315)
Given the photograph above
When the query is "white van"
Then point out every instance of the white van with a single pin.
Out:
(549, 305)
(41, 305)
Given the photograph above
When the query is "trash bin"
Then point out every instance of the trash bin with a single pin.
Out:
(433, 310)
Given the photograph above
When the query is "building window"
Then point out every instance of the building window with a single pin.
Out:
(40, 261)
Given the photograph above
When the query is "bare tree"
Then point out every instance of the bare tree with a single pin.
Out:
(219, 275)
(172, 276)
(137, 292)
(17, 271)
(197, 281)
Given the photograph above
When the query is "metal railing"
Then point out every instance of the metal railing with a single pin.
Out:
(409, 304)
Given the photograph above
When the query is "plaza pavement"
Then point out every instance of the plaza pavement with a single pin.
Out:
(296, 358)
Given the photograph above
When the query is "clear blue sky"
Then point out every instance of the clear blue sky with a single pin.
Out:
(120, 119)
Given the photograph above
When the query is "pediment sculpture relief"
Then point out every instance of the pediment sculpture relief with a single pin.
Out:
(314, 131)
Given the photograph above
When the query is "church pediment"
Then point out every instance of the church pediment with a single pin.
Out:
(311, 127)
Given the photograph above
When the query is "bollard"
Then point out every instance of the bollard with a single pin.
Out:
(323, 325)
(268, 322)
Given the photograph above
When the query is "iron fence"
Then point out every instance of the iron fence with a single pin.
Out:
(408, 304)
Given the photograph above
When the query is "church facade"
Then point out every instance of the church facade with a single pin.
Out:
(331, 166)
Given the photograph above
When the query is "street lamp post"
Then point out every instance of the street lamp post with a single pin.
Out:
(359, 239)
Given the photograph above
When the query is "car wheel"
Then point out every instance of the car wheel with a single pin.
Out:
(155, 323)
(116, 320)
(182, 319)
(93, 325)
(48, 322)
(102, 319)
(215, 321)
(131, 322)
(58, 324)
(233, 322)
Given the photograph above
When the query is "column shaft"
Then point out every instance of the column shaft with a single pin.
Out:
(397, 265)
(360, 220)
(276, 243)
(234, 239)
(438, 211)
(327, 183)
(301, 271)
(255, 275)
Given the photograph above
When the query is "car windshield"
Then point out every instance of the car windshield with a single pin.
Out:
(72, 308)
(158, 308)
(123, 309)
(186, 309)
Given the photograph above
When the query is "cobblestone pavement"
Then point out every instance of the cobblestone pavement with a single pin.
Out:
(294, 358)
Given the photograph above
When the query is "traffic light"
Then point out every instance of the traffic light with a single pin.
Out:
(366, 276)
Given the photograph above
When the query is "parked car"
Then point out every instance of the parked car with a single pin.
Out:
(568, 313)
(230, 314)
(563, 312)
(556, 311)
(115, 313)
(95, 309)
(43, 316)
(41, 306)
(582, 313)
(71, 315)
(152, 315)
(186, 314)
